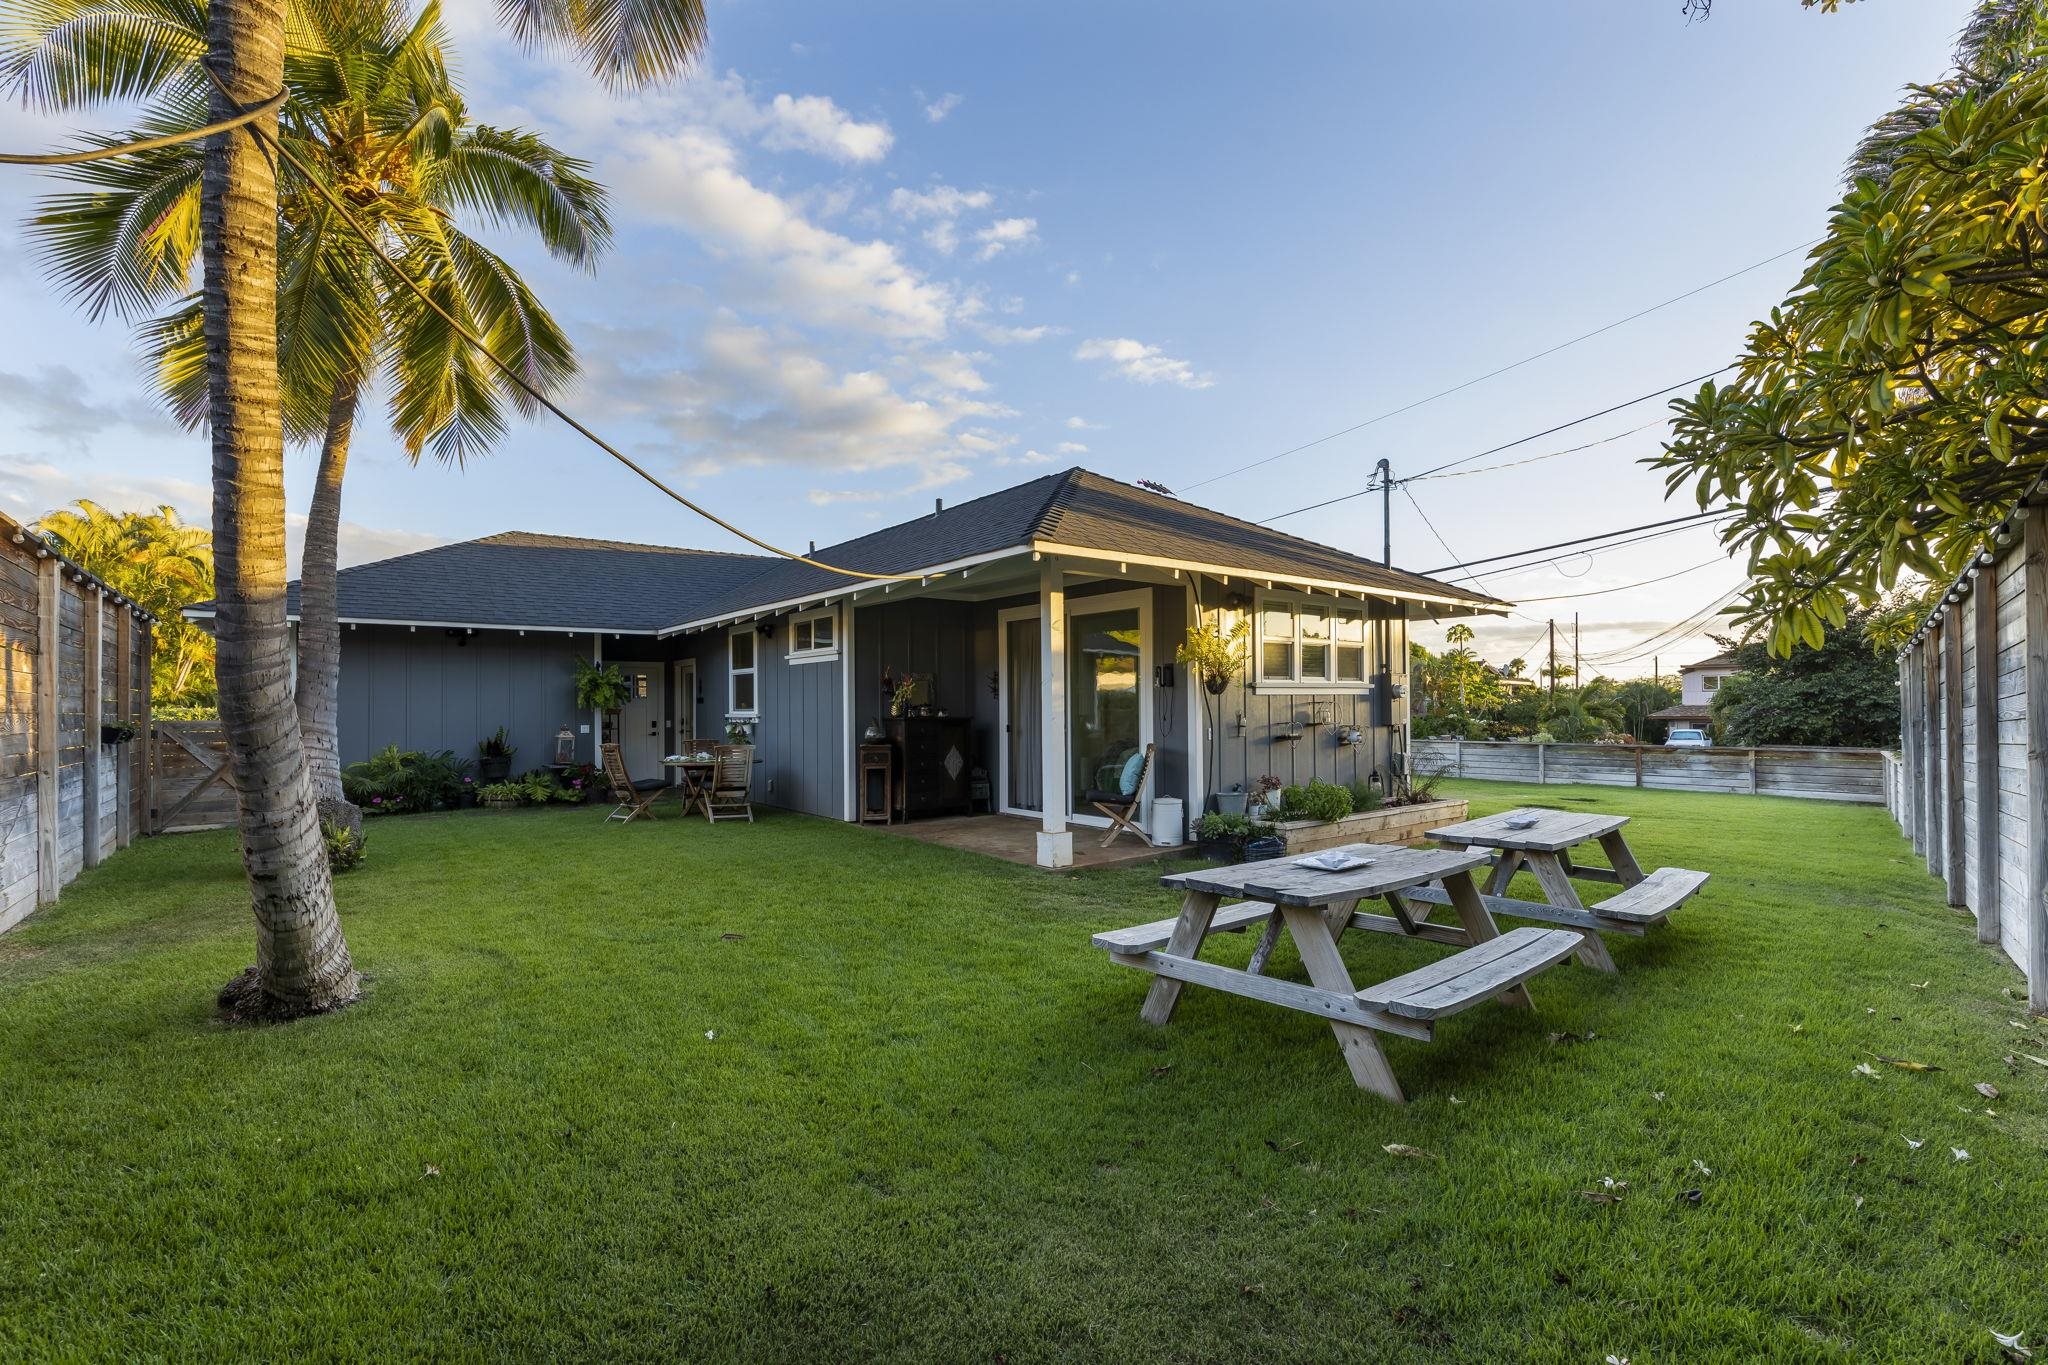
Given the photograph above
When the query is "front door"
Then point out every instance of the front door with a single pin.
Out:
(1109, 699)
(640, 721)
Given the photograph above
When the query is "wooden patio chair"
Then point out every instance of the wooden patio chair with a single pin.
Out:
(731, 796)
(1123, 808)
(632, 802)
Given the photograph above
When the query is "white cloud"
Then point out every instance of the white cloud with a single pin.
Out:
(942, 236)
(813, 123)
(945, 104)
(1142, 364)
(692, 179)
(1029, 457)
(940, 201)
(955, 370)
(1005, 233)
(1015, 336)
(1082, 424)
(1071, 448)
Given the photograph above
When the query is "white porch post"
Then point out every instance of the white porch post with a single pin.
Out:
(1055, 840)
(596, 713)
(849, 796)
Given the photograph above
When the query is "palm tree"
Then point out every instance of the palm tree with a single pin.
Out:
(303, 965)
(375, 114)
(163, 566)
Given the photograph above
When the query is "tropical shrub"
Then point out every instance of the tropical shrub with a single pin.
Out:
(397, 781)
(1366, 796)
(1316, 801)
(344, 846)
(501, 793)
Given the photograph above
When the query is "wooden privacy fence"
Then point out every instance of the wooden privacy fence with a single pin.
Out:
(1812, 773)
(74, 657)
(1969, 785)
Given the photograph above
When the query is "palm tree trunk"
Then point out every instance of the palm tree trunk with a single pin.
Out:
(302, 963)
(319, 686)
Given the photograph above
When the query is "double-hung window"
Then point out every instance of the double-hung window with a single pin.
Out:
(1308, 644)
(740, 676)
(814, 637)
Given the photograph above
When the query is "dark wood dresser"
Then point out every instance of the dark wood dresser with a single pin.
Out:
(934, 758)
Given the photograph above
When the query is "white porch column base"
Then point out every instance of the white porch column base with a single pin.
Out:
(1056, 848)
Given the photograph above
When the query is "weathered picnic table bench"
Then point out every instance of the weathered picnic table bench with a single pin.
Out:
(1317, 907)
(1540, 840)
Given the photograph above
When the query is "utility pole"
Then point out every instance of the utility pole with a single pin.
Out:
(1386, 471)
(1656, 673)
(1575, 650)
(1553, 658)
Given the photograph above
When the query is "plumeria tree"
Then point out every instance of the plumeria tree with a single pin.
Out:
(1895, 406)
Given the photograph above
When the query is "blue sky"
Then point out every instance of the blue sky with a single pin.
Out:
(872, 255)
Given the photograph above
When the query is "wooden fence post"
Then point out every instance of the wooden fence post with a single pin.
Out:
(49, 610)
(1752, 772)
(1542, 771)
(1461, 755)
(1639, 764)
(92, 639)
(1932, 750)
(1985, 897)
(1953, 873)
(2036, 600)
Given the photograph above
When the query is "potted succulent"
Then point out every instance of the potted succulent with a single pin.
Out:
(1265, 795)
(494, 757)
(1214, 655)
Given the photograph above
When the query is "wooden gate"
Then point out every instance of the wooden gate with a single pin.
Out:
(192, 788)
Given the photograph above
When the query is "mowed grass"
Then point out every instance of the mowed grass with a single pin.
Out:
(801, 1091)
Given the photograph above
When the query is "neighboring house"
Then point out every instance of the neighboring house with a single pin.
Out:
(1051, 609)
(1697, 684)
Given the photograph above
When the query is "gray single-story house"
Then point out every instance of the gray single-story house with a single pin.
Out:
(1040, 622)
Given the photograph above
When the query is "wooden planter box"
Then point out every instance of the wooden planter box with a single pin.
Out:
(1393, 825)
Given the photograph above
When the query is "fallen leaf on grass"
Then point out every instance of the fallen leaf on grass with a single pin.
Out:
(1613, 1359)
(710, 1035)
(1608, 1182)
(1565, 1039)
(1690, 1196)
(430, 1171)
(2037, 1061)
(731, 938)
(1915, 1145)
(1923, 985)
(1599, 1197)
(1251, 1290)
(1866, 1069)
(1859, 1201)
(1959, 1154)
(1702, 1168)
(1858, 1159)
(2011, 1345)
(1657, 1095)
(1288, 1147)
(1403, 1149)
(1986, 1089)
(1161, 1070)
(1799, 1028)
(1905, 1063)
(1456, 1100)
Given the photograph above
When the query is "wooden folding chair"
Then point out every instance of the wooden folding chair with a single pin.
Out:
(732, 784)
(1123, 810)
(632, 802)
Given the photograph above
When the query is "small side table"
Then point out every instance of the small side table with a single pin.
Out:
(877, 784)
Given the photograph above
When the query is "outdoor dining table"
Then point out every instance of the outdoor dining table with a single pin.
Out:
(1541, 839)
(697, 777)
(1317, 907)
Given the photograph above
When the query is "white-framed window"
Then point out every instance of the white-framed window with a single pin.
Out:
(814, 637)
(1711, 682)
(1311, 644)
(742, 654)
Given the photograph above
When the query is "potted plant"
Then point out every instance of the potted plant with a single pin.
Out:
(739, 732)
(500, 795)
(494, 757)
(1265, 795)
(1232, 801)
(1226, 836)
(1214, 655)
(601, 687)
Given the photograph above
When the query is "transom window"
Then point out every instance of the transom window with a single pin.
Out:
(1311, 643)
(814, 637)
(740, 676)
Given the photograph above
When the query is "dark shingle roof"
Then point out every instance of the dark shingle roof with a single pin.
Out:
(1083, 509)
(520, 578)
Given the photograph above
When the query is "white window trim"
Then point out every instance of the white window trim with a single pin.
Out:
(813, 656)
(1298, 685)
(732, 711)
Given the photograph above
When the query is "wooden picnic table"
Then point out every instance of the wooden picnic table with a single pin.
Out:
(1540, 839)
(1316, 907)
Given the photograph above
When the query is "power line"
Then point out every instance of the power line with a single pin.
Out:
(1694, 517)
(1601, 549)
(1644, 583)
(1533, 459)
(1670, 635)
(1514, 365)
(1508, 445)
(1469, 578)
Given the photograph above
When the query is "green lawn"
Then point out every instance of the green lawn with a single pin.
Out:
(799, 1091)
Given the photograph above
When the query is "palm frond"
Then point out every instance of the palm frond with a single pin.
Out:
(623, 42)
(513, 177)
(61, 54)
(173, 345)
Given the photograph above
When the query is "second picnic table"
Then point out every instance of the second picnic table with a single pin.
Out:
(1316, 907)
(1540, 839)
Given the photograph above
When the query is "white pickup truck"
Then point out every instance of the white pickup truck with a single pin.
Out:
(1687, 737)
